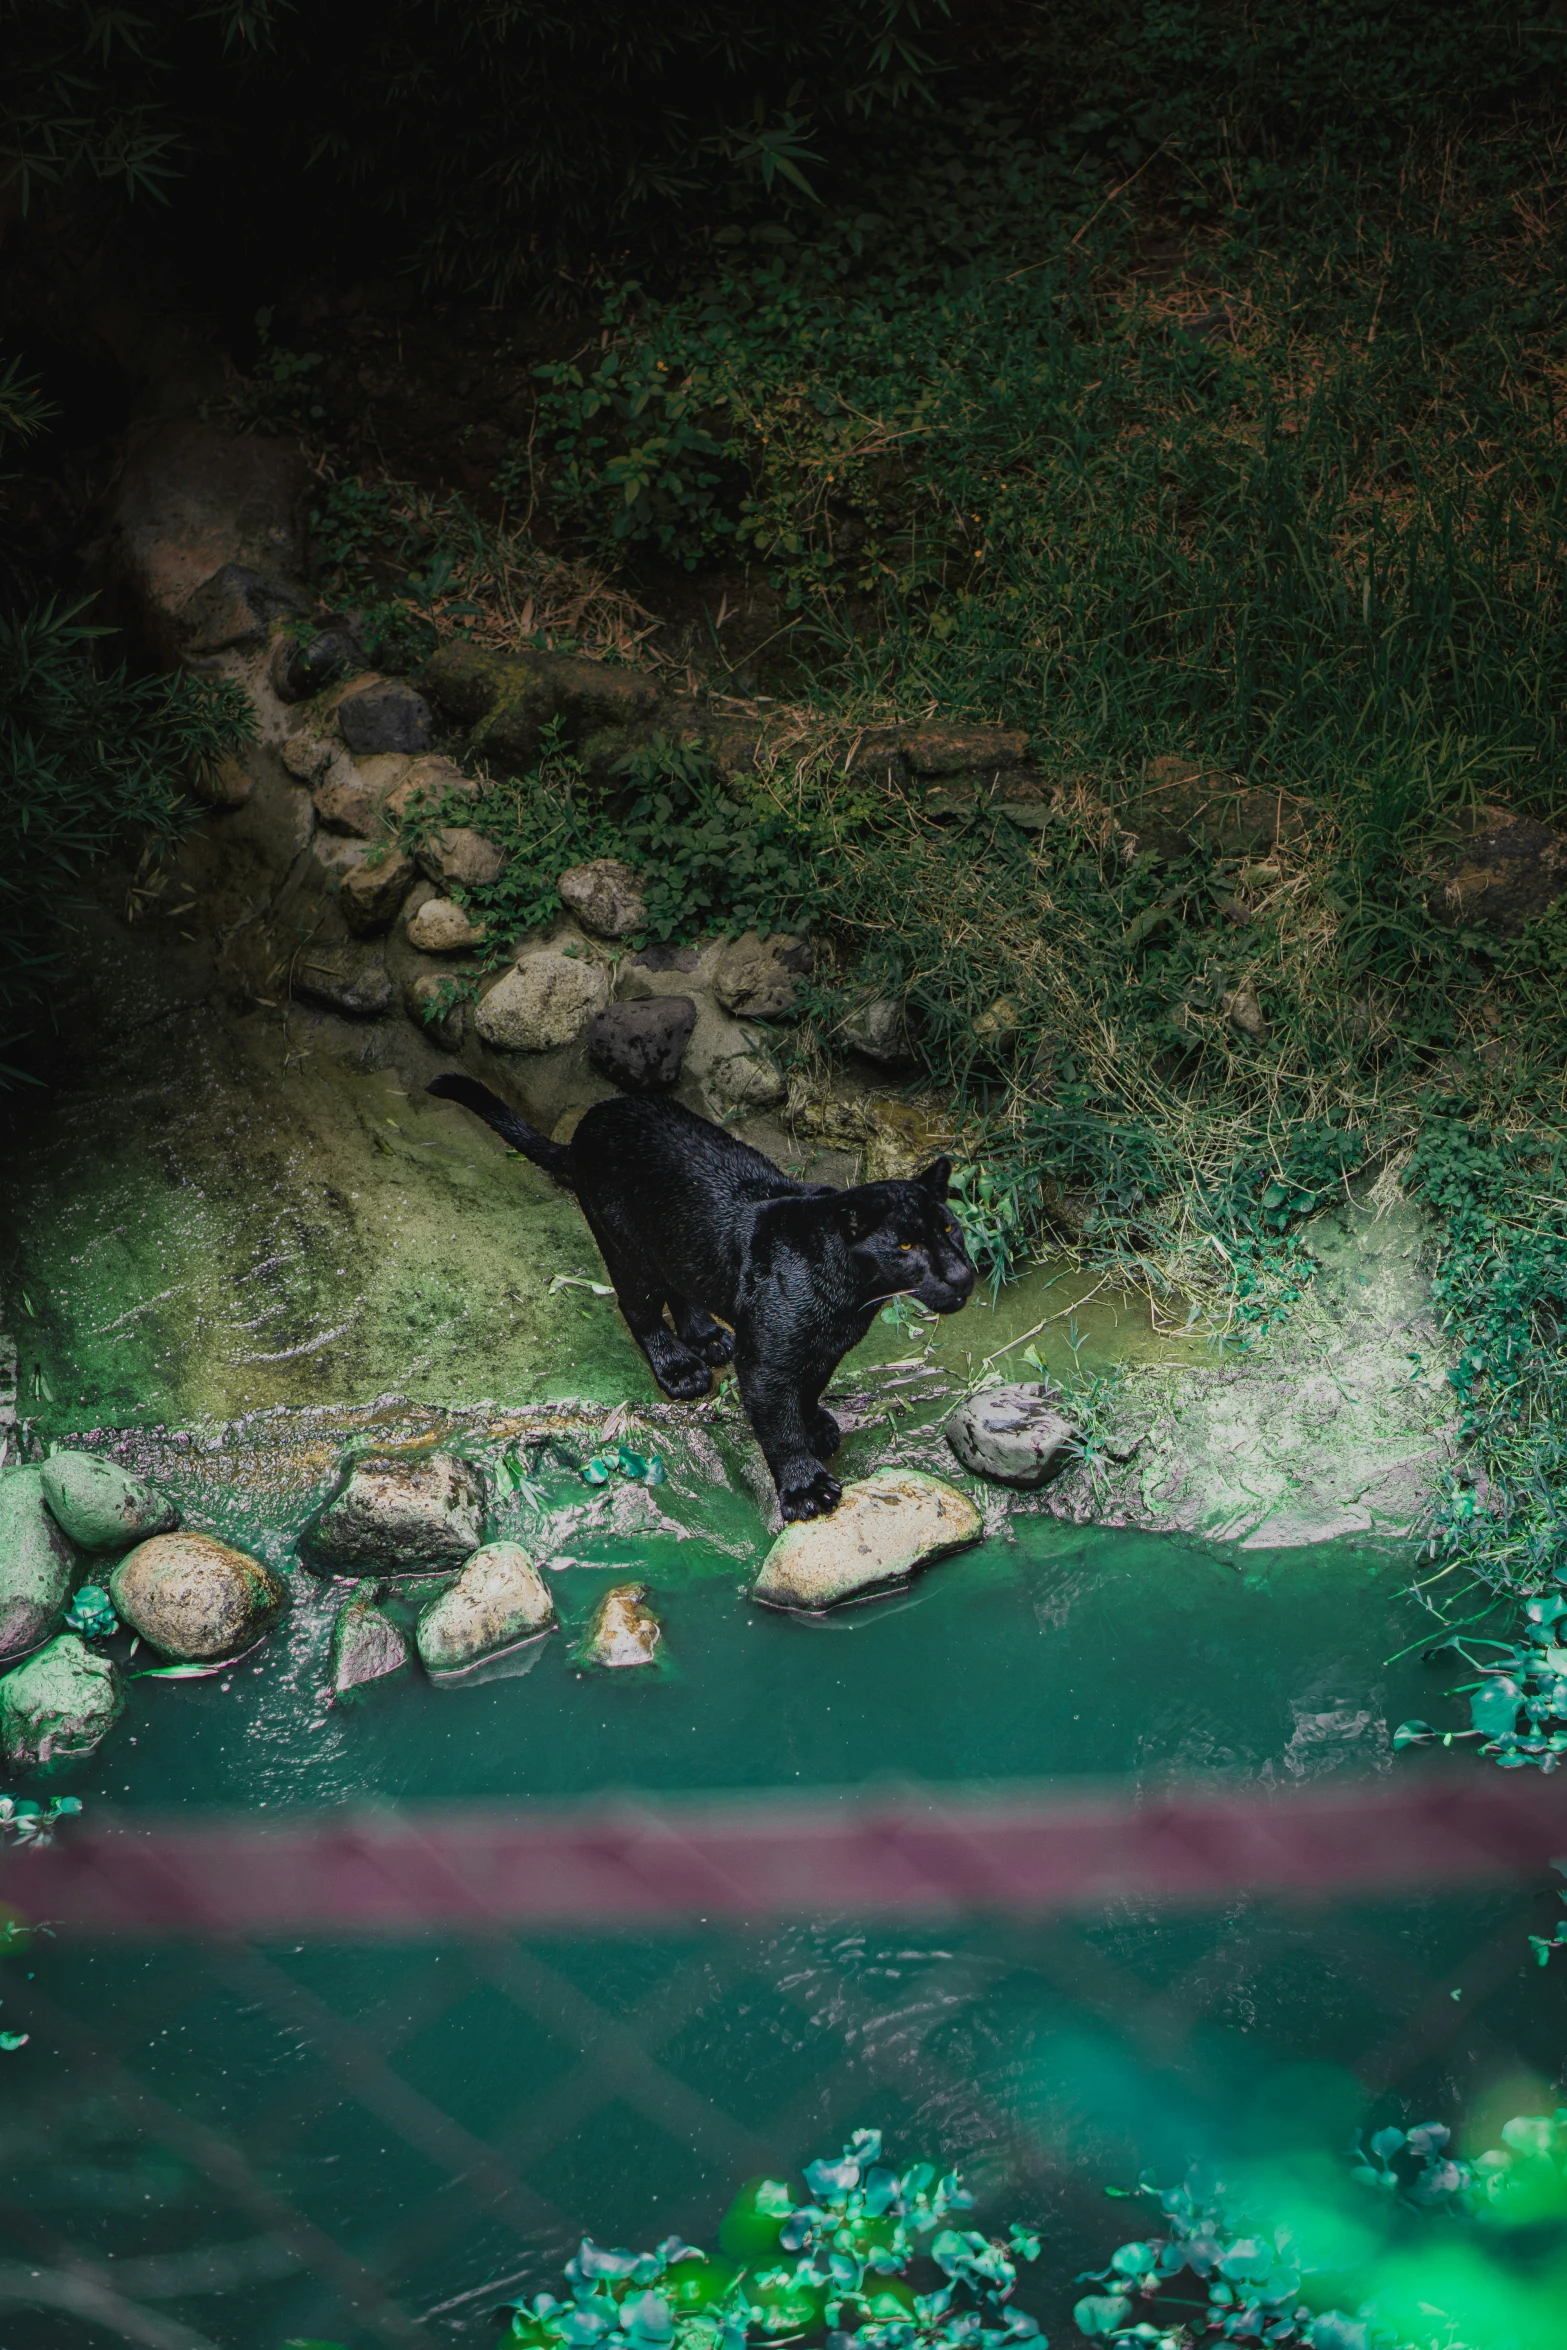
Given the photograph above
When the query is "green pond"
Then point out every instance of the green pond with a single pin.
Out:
(233, 2148)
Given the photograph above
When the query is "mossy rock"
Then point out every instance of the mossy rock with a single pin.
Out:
(102, 1506)
(37, 1566)
(499, 1600)
(195, 1598)
(57, 1706)
(507, 699)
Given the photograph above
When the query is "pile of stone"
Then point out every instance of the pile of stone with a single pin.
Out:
(405, 1519)
(189, 1597)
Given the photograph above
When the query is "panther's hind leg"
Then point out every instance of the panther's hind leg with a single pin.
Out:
(708, 1340)
(680, 1372)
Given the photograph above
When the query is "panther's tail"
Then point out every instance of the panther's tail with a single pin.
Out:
(553, 1157)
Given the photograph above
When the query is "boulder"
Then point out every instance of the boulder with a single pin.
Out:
(422, 784)
(234, 610)
(385, 715)
(884, 1527)
(412, 1514)
(102, 1506)
(1183, 806)
(604, 897)
(306, 665)
(498, 1600)
(344, 979)
(440, 927)
(507, 699)
(308, 755)
(58, 1705)
(730, 1064)
(962, 750)
(758, 978)
(431, 1005)
(192, 1596)
(639, 1045)
(1511, 870)
(623, 1632)
(545, 1002)
(224, 783)
(366, 1644)
(1243, 1011)
(348, 802)
(459, 855)
(371, 893)
(879, 1031)
(1013, 1435)
(37, 1570)
(188, 499)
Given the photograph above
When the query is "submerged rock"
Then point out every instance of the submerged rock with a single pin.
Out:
(193, 1597)
(37, 1570)
(1012, 1434)
(883, 1528)
(366, 1644)
(102, 1506)
(623, 1631)
(499, 1599)
(59, 1704)
(414, 1515)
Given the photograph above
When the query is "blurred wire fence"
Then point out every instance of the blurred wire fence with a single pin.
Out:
(361, 2077)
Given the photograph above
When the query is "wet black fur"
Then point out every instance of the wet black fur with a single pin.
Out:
(693, 1223)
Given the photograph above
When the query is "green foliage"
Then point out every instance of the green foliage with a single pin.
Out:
(91, 757)
(1500, 1531)
(709, 857)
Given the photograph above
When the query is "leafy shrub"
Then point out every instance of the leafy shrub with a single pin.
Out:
(709, 857)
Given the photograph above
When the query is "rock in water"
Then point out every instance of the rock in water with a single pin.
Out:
(1011, 1434)
(102, 1506)
(37, 1570)
(193, 1597)
(366, 1644)
(499, 1599)
(884, 1527)
(59, 1704)
(623, 1631)
(418, 1515)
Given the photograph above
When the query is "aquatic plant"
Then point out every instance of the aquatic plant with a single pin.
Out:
(834, 2261)
(24, 1822)
(836, 2264)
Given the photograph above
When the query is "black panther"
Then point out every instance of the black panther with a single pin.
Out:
(693, 1223)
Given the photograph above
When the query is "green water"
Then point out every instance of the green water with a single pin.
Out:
(454, 2114)
(227, 1239)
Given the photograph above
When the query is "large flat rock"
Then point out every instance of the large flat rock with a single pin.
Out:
(884, 1528)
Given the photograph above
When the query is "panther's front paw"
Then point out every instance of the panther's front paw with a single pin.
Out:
(811, 1497)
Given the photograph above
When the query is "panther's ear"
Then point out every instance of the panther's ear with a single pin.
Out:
(857, 1215)
(936, 1177)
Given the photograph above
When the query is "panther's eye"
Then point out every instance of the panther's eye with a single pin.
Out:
(905, 1245)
